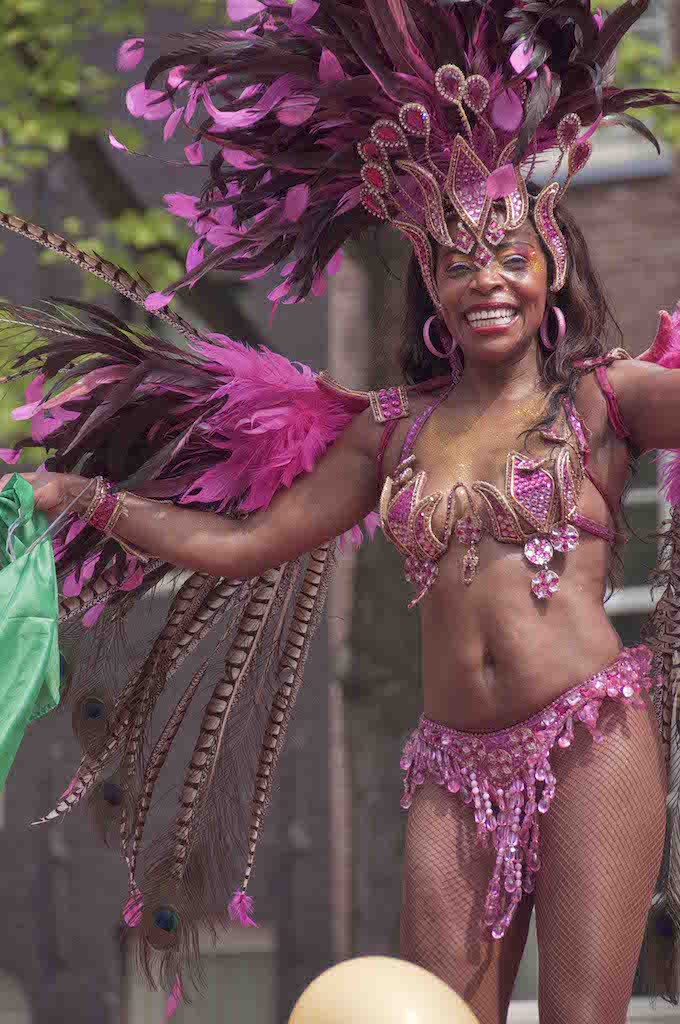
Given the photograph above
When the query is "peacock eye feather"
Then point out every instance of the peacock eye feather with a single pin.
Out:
(93, 709)
(166, 919)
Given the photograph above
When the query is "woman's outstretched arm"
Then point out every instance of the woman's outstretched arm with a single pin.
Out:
(321, 505)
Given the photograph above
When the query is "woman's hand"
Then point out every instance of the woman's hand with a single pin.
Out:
(53, 491)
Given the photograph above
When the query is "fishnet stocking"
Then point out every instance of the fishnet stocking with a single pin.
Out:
(601, 847)
(445, 880)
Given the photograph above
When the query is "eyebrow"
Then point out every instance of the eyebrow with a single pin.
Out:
(514, 242)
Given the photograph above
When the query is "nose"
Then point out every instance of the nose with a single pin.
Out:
(487, 278)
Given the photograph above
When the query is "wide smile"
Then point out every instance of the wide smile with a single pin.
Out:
(486, 321)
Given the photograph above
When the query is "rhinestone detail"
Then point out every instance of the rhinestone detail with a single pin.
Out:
(538, 550)
(506, 777)
(564, 538)
(545, 584)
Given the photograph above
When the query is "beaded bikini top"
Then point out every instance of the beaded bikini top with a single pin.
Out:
(537, 508)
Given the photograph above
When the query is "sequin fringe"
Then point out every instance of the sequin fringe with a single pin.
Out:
(499, 773)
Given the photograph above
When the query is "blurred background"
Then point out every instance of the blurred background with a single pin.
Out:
(327, 883)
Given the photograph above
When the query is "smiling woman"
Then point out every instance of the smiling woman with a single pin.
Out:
(498, 465)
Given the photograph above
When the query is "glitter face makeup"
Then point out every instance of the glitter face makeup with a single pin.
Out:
(504, 301)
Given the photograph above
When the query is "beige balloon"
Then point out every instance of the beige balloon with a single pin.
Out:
(379, 990)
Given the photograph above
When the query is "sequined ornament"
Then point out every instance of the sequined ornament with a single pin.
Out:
(564, 538)
(538, 550)
(507, 779)
(545, 584)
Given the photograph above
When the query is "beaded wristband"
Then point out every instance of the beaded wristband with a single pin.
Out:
(99, 491)
(105, 511)
(105, 508)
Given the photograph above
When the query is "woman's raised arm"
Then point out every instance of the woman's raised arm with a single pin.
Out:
(339, 492)
(649, 400)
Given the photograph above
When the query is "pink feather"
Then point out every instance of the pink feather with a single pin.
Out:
(303, 11)
(194, 153)
(507, 111)
(502, 182)
(276, 422)
(171, 123)
(239, 10)
(132, 911)
(240, 909)
(297, 201)
(158, 300)
(335, 263)
(130, 54)
(91, 617)
(174, 999)
(521, 56)
(330, 68)
(665, 351)
(147, 103)
(116, 144)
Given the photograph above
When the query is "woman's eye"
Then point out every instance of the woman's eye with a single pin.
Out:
(515, 263)
(458, 269)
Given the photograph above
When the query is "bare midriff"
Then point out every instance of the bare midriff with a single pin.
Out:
(493, 655)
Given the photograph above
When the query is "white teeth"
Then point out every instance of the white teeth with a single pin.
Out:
(492, 317)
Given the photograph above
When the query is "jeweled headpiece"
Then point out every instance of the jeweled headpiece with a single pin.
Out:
(420, 194)
(422, 113)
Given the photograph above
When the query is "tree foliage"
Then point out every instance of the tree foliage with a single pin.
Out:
(55, 101)
(53, 98)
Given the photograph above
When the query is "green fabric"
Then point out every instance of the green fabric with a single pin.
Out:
(29, 615)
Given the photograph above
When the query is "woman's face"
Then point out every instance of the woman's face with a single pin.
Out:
(495, 312)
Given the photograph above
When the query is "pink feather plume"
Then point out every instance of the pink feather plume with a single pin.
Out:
(665, 351)
(240, 909)
(132, 911)
(174, 999)
(275, 421)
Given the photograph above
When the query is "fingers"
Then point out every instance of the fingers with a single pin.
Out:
(48, 496)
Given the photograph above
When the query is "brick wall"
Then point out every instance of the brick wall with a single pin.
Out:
(632, 229)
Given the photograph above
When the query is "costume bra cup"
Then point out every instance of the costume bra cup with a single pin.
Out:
(537, 506)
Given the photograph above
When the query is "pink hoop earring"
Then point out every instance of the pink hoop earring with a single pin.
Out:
(429, 345)
(561, 328)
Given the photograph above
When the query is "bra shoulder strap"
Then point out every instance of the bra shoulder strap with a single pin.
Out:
(599, 365)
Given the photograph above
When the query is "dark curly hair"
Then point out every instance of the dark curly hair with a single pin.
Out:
(591, 326)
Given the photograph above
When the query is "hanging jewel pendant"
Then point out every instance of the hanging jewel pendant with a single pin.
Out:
(469, 532)
(545, 584)
(540, 551)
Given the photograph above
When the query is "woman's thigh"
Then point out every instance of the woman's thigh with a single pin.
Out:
(601, 847)
(445, 881)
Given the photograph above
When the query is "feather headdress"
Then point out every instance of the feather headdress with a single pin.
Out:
(316, 119)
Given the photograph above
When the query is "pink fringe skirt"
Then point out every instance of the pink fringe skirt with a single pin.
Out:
(506, 776)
